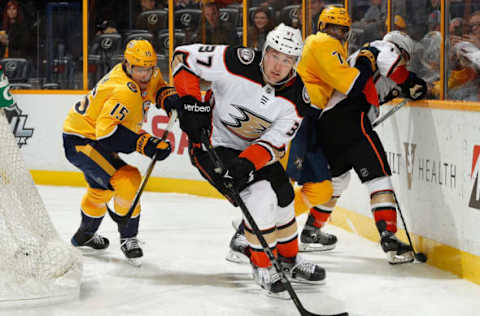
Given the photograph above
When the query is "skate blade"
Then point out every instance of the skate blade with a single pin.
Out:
(237, 257)
(136, 262)
(314, 247)
(279, 296)
(301, 281)
(406, 257)
(88, 251)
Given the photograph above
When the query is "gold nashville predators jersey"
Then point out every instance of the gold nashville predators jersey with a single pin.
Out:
(323, 68)
(116, 99)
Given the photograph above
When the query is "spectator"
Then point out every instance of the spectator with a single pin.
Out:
(17, 41)
(474, 35)
(316, 7)
(399, 24)
(106, 27)
(463, 78)
(430, 60)
(186, 4)
(373, 13)
(147, 5)
(262, 24)
(433, 21)
(213, 30)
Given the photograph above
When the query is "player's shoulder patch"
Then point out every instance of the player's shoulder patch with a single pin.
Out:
(245, 55)
(243, 62)
(305, 95)
(132, 86)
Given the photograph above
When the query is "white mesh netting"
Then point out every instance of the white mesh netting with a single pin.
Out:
(36, 265)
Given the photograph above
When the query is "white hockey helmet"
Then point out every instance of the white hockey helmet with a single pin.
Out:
(287, 40)
(402, 40)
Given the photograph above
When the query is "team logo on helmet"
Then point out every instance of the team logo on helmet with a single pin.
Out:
(132, 87)
(246, 55)
(305, 96)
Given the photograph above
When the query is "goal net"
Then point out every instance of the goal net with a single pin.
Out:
(36, 265)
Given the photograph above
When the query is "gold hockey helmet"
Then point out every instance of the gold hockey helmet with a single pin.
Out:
(140, 53)
(333, 15)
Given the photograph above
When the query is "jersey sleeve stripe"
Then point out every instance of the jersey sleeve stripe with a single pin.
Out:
(187, 83)
(400, 74)
(276, 152)
(257, 154)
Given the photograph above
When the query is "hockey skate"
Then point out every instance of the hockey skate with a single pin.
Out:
(89, 243)
(300, 271)
(131, 250)
(270, 281)
(396, 250)
(313, 239)
(239, 251)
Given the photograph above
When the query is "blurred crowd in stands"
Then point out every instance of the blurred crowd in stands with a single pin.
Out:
(41, 41)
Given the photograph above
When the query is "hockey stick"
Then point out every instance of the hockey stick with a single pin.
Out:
(420, 256)
(125, 219)
(233, 192)
(392, 111)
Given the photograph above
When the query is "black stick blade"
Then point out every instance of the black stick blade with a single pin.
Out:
(421, 257)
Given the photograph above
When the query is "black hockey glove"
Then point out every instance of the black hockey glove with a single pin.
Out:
(367, 57)
(239, 172)
(168, 99)
(148, 145)
(195, 116)
(414, 88)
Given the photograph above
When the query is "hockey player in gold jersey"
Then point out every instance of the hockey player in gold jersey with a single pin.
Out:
(346, 91)
(106, 122)
(324, 69)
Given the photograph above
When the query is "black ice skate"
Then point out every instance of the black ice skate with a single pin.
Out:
(93, 241)
(239, 250)
(270, 281)
(298, 270)
(396, 250)
(313, 239)
(131, 250)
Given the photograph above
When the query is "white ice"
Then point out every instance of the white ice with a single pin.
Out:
(184, 271)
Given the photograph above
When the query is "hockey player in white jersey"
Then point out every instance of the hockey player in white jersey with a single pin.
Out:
(258, 107)
(359, 147)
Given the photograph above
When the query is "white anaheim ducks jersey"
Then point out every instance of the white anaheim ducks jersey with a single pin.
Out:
(388, 60)
(247, 110)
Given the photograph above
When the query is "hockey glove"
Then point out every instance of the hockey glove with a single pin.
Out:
(414, 88)
(168, 99)
(195, 116)
(367, 57)
(239, 172)
(149, 145)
